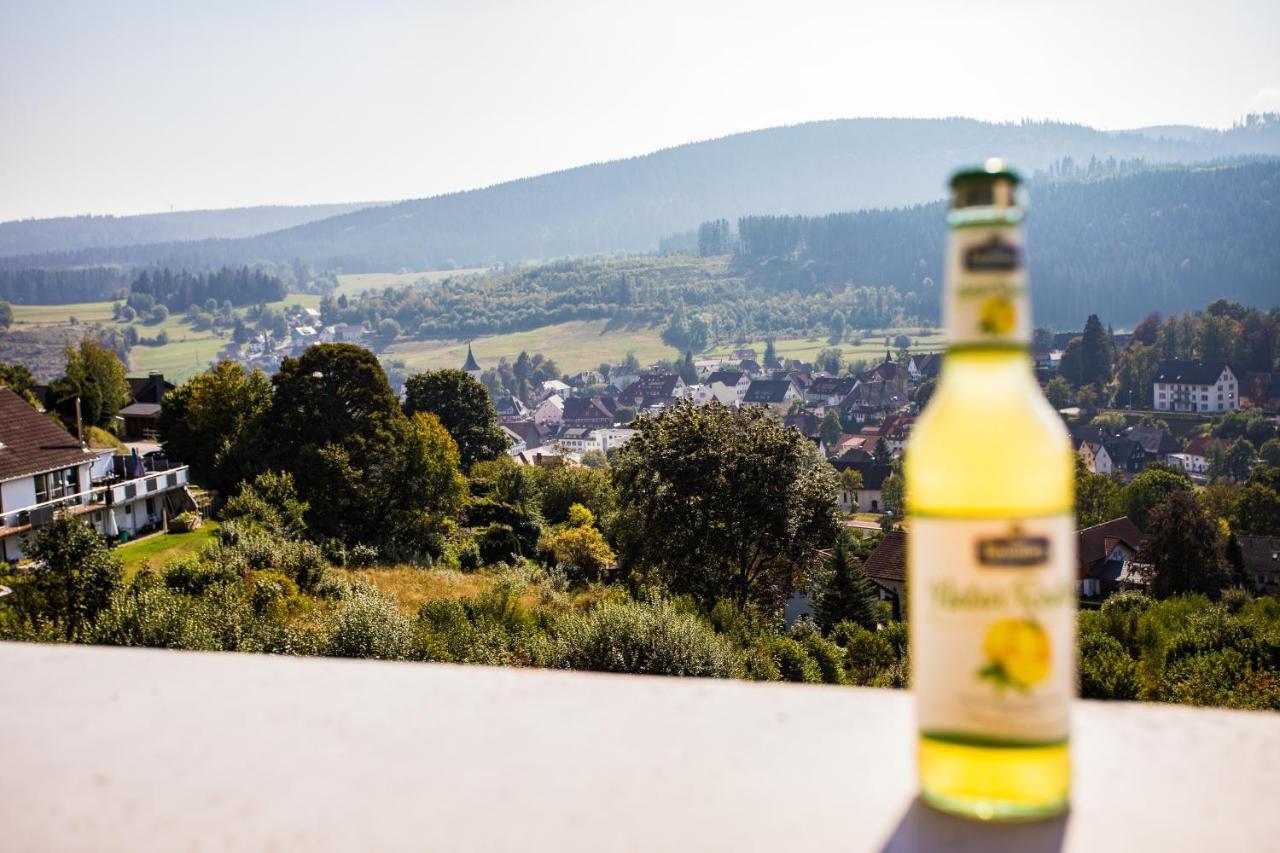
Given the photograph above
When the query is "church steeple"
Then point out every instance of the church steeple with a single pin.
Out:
(470, 366)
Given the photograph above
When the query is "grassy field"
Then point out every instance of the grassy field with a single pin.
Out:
(806, 349)
(187, 353)
(356, 283)
(43, 315)
(161, 548)
(577, 345)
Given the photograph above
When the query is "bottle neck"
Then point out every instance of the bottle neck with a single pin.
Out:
(986, 305)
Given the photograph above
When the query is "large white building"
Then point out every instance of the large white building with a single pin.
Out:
(44, 471)
(1195, 386)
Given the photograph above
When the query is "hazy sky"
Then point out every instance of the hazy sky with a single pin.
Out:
(128, 107)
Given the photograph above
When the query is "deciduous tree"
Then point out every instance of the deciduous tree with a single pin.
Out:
(463, 406)
(723, 505)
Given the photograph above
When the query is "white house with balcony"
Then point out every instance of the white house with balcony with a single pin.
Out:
(44, 470)
(1195, 386)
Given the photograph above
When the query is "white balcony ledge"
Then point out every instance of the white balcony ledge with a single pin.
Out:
(121, 749)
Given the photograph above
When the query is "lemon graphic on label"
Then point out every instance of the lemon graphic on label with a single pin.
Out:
(997, 315)
(1017, 653)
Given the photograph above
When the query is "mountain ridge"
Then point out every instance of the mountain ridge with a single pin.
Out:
(627, 205)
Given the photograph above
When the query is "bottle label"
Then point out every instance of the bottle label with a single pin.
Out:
(992, 619)
(987, 287)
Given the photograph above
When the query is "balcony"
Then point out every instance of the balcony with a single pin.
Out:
(110, 492)
(127, 749)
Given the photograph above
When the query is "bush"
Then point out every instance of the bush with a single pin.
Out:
(498, 543)
(793, 661)
(654, 639)
(192, 576)
(370, 625)
(148, 613)
(1106, 670)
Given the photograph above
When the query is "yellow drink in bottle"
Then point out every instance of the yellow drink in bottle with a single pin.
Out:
(991, 535)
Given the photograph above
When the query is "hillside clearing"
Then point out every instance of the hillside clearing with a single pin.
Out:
(354, 284)
(575, 346)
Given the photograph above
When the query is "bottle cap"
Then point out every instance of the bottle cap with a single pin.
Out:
(993, 184)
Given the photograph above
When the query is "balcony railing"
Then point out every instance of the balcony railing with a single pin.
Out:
(132, 749)
(96, 497)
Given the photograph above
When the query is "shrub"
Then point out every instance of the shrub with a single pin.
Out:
(1106, 670)
(362, 556)
(874, 658)
(152, 614)
(369, 625)
(829, 658)
(271, 593)
(649, 638)
(793, 660)
(498, 543)
(192, 576)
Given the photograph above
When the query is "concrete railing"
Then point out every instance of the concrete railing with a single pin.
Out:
(123, 749)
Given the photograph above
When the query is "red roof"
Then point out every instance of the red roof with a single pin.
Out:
(31, 442)
(888, 562)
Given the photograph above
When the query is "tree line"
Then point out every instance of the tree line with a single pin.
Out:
(1162, 238)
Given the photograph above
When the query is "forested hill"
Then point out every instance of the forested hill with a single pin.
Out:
(626, 205)
(67, 233)
(1166, 240)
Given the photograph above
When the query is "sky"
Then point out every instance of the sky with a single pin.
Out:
(132, 107)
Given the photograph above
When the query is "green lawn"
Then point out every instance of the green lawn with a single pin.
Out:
(354, 284)
(163, 547)
(807, 349)
(43, 315)
(576, 345)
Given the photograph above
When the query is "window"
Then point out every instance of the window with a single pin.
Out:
(151, 506)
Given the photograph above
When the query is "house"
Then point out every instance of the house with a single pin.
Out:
(751, 367)
(887, 570)
(515, 443)
(141, 420)
(611, 438)
(870, 497)
(777, 394)
(1194, 458)
(652, 389)
(1095, 456)
(1195, 386)
(530, 433)
(925, 365)
(895, 430)
(150, 388)
(576, 440)
(44, 470)
(699, 394)
(1262, 562)
(1106, 558)
(729, 386)
(550, 412)
(744, 354)
(1127, 456)
(510, 408)
(829, 390)
(553, 386)
(869, 398)
(809, 423)
(586, 413)
(351, 333)
(1158, 443)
